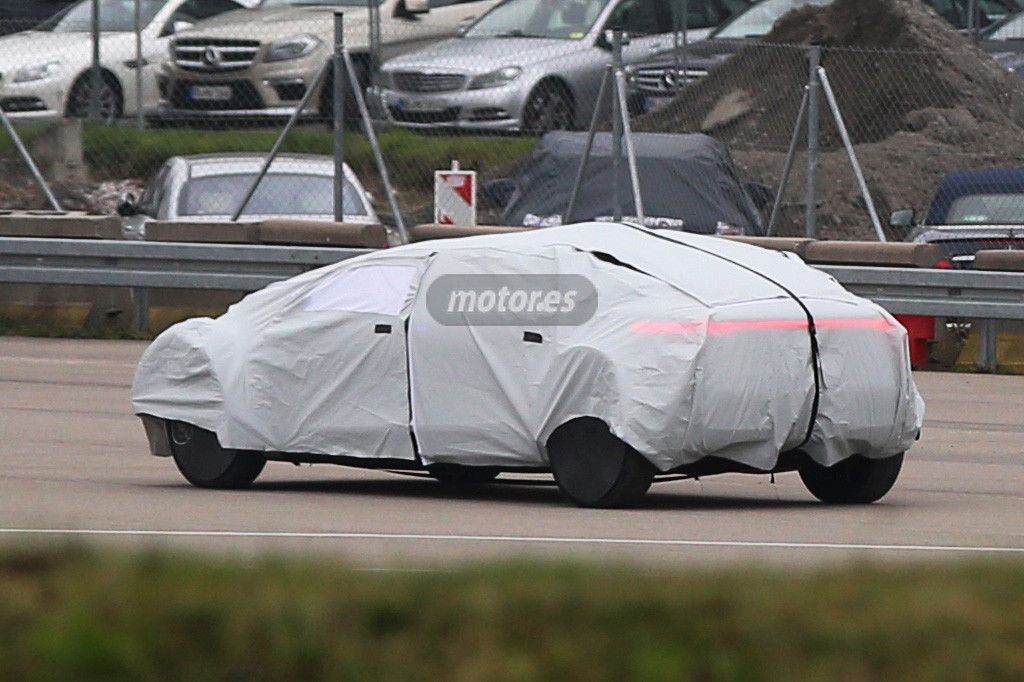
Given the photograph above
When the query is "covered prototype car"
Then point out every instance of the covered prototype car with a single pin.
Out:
(604, 353)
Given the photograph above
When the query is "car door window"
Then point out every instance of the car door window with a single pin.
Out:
(642, 17)
(371, 288)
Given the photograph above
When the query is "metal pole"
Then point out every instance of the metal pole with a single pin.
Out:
(588, 147)
(371, 135)
(830, 95)
(374, 28)
(801, 119)
(989, 345)
(972, 20)
(140, 62)
(28, 160)
(95, 76)
(313, 89)
(338, 68)
(616, 129)
(634, 173)
(686, 51)
(813, 130)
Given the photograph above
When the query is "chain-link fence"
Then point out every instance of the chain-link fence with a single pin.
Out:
(935, 130)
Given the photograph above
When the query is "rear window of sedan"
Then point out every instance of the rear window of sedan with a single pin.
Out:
(278, 194)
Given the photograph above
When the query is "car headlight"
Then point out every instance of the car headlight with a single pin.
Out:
(292, 48)
(495, 79)
(37, 72)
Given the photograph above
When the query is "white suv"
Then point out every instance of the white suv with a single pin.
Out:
(261, 62)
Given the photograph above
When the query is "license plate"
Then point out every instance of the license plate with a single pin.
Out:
(210, 93)
(422, 106)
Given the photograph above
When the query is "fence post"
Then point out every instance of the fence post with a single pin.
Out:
(95, 75)
(813, 130)
(616, 129)
(140, 99)
(339, 115)
(989, 345)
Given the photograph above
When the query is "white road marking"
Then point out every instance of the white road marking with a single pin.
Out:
(510, 539)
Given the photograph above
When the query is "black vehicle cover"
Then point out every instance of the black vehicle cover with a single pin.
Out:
(688, 182)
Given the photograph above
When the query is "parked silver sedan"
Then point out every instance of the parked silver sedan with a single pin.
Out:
(534, 65)
(210, 188)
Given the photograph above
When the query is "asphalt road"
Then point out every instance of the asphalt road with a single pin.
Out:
(74, 466)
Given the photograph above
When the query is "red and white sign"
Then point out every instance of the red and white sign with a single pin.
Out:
(455, 197)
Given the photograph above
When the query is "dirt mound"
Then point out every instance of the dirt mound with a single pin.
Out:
(910, 87)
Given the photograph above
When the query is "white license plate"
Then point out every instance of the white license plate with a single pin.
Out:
(210, 93)
(422, 106)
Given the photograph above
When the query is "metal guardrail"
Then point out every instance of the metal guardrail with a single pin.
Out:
(968, 294)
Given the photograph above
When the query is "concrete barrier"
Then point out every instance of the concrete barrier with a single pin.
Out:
(428, 231)
(797, 245)
(880, 254)
(1011, 261)
(59, 225)
(279, 232)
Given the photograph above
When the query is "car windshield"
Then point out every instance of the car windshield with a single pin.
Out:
(987, 209)
(117, 16)
(282, 194)
(330, 3)
(1011, 30)
(566, 19)
(758, 21)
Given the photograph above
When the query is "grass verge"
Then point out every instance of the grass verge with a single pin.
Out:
(116, 152)
(80, 615)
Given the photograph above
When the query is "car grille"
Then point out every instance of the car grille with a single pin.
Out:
(449, 115)
(663, 81)
(416, 81)
(243, 97)
(214, 55)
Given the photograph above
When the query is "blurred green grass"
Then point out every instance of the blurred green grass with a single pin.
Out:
(76, 614)
(412, 158)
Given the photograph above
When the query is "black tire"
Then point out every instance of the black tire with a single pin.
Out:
(455, 476)
(351, 105)
(594, 468)
(855, 480)
(111, 100)
(205, 464)
(549, 107)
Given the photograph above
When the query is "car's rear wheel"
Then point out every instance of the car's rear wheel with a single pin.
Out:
(595, 468)
(205, 464)
(855, 480)
(455, 476)
(549, 107)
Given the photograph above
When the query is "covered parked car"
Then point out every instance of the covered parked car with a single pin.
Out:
(46, 71)
(606, 354)
(210, 188)
(534, 65)
(687, 182)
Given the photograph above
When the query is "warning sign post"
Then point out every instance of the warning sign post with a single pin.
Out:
(455, 197)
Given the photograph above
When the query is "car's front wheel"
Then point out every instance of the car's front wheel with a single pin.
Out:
(595, 468)
(855, 480)
(205, 464)
(549, 107)
(108, 100)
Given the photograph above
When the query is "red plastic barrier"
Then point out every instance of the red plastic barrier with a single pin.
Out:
(920, 330)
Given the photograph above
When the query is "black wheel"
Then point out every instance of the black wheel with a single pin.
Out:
(205, 464)
(855, 480)
(351, 106)
(548, 108)
(111, 105)
(594, 468)
(455, 476)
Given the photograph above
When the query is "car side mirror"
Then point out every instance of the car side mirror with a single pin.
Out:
(126, 206)
(500, 191)
(410, 8)
(605, 39)
(902, 220)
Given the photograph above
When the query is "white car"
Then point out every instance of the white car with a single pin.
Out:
(210, 188)
(46, 71)
(607, 354)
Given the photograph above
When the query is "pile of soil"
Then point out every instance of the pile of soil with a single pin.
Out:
(919, 101)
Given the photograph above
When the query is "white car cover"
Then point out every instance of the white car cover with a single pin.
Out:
(696, 346)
